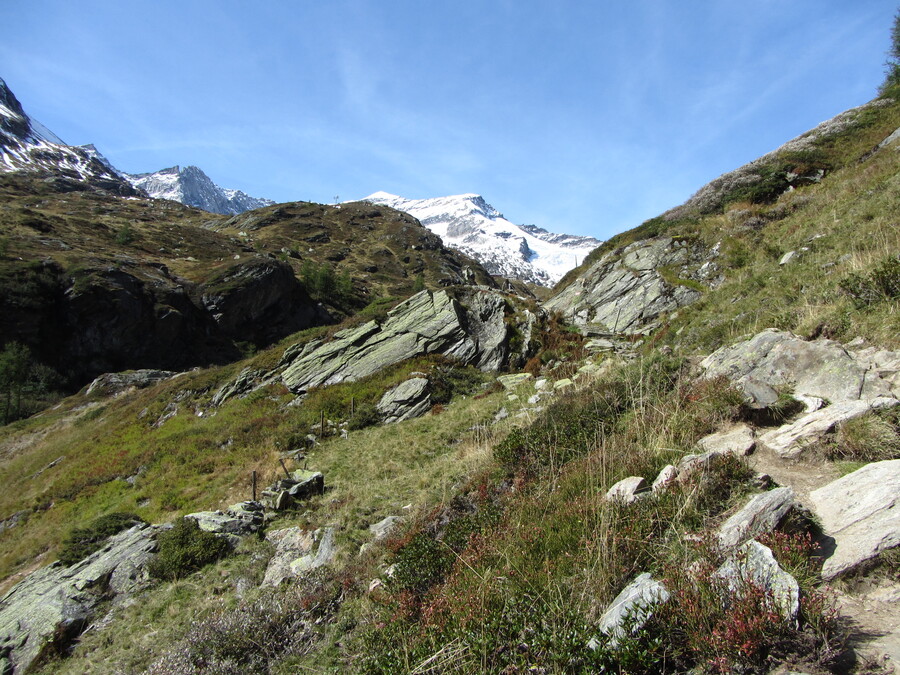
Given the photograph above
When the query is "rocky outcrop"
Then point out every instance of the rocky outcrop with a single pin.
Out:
(471, 329)
(626, 291)
(111, 384)
(286, 492)
(406, 401)
(821, 368)
(53, 606)
(861, 511)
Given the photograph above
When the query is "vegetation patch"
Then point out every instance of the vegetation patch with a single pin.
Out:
(184, 549)
(84, 541)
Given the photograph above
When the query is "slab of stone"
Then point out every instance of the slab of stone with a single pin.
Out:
(406, 401)
(754, 563)
(739, 440)
(307, 484)
(633, 606)
(290, 544)
(789, 441)
(762, 513)
(563, 383)
(52, 606)
(627, 489)
(515, 380)
(861, 511)
(240, 519)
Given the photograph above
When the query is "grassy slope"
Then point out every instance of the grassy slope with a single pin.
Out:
(545, 552)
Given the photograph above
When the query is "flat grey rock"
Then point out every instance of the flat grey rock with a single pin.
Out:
(739, 440)
(633, 605)
(861, 511)
(789, 441)
(761, 514)
(627, 489)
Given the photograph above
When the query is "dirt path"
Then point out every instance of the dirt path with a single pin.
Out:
(871, 604)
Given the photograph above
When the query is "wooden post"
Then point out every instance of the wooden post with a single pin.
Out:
(322, 430)
(254, 484)
(352, 406)
(286, 472)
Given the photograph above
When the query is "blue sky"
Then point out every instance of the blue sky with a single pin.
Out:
(584, 117)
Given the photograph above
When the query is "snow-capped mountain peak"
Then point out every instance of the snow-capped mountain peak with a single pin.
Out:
(27, 145)
(193, 187)
(470, 224)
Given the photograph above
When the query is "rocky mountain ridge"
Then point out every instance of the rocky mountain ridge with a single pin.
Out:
(192, 187)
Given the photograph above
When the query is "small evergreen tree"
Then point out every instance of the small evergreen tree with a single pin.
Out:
(892, 65)
(15, 367)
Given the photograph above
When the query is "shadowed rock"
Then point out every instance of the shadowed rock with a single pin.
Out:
(406, 401)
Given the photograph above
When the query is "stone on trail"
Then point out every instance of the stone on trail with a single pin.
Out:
(737, 441)
(861, 511)
(789, 441)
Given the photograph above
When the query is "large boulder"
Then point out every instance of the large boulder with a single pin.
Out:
(111, 384)
(240, 519)
(861, 511)
(471, 330)
(54, 605)
(625, 292)
(406, 401)
(819, 369)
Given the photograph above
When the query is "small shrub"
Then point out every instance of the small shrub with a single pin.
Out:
(364, 415)
(870, 438)
(84, 541)
(125, 235)
(184, 549)
(882, 283)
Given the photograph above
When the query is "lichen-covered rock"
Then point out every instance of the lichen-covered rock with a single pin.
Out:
(861, 511)
(54, 605)
(627, 490)
(428, 322)
(110, 384)
(242, 384)
(762, 514)
(624, 291)
(298, 551)
(406, 401)
(240, 519)
(820, 368)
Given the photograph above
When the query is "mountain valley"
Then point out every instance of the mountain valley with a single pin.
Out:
(308, 437)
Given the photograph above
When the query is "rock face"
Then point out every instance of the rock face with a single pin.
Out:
(862, 512)
(406, 401)
(259, 301)
(472, 330)
(624, 292)
(54, 605)
(821, 368)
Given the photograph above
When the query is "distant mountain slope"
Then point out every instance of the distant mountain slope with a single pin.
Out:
(471, 225)
(192, 187)
(27, 145)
